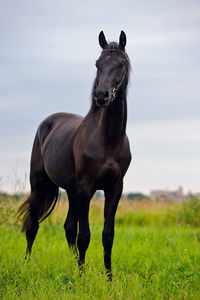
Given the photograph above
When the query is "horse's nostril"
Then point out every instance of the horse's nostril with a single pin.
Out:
(106, 95)
(102, 94)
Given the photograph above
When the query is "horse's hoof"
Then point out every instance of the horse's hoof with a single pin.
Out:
(109, 275)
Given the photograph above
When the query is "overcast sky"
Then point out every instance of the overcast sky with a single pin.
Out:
(47, 61)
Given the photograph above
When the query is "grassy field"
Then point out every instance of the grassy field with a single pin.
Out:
(156, 254)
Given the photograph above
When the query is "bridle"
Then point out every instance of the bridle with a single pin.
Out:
(115, 89)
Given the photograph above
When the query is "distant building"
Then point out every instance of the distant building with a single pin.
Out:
(176, 195)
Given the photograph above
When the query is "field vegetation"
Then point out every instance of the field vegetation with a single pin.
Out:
(156, 253)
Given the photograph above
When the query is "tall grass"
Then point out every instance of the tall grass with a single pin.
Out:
(156, 254)
(138, 213)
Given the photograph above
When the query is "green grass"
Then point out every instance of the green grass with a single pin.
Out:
(150, 260)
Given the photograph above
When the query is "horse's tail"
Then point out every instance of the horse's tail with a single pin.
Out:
(23, 211)
(38, 206)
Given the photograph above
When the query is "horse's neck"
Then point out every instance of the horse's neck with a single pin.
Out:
(112, 121)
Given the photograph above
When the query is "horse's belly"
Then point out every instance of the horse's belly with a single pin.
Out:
(59, 163)
(61, 174)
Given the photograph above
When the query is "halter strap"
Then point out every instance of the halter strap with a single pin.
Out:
(114, 90)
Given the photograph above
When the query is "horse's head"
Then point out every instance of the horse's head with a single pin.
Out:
(112, 70)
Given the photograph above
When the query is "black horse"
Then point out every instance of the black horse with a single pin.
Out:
(83, 155)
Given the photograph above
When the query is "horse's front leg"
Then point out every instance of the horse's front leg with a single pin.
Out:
(112, 197)
(83, 241)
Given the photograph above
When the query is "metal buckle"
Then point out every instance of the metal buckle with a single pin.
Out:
(113, 94)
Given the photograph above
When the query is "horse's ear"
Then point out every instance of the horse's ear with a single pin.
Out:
(122, 40)
(102, 40)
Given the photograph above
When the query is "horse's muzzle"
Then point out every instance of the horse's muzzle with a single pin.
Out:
(102, 99)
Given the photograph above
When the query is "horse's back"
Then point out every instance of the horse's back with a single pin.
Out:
(55, 136)
(50, 125)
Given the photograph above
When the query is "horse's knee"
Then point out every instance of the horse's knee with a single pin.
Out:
(83, 241)
(107, 238)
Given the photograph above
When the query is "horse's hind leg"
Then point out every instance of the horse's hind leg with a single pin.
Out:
(44, 194)
(31, 224)
(43, 197)
(72, 219)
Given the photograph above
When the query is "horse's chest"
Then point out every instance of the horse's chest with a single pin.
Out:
(100, 165)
